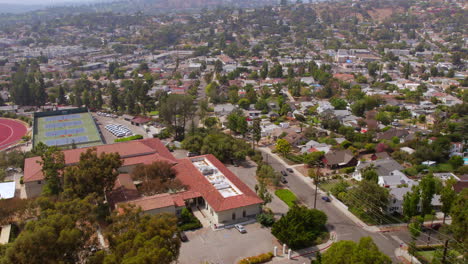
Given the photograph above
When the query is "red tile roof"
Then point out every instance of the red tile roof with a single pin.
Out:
(141, 120)
(194, 179)
(124, 190)
(143, 151)
(163, 200)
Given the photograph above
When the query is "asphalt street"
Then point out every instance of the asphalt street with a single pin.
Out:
(345, 228)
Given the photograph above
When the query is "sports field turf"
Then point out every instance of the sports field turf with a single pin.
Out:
(64, 130)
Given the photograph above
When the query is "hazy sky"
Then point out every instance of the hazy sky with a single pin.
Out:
(45, 2)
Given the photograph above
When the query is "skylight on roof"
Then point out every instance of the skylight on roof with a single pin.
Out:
(214, 176)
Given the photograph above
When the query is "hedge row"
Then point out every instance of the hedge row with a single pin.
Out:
(190, 226)
(130, 138)
(262, 258)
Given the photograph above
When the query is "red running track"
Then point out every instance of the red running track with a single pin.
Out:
(10, 132)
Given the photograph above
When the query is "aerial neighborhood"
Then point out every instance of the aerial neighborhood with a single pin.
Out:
(234, 132)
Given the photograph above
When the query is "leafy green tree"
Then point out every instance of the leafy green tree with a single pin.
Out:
(263, 192)
(58, 235)
(313, 159)
(242, 125)
(114, 97)
(176, 110)
(415, 229)
(448, 196)
(411, 202)
(349, 252)
(264, 70)
(338, 103)
(267, 174)
(53, 163)
(218, 66)
(210, 122)
(376, 201)
(256, 130)
(93, 174)
(244, 103)
(370, 174)
(283, 146)
(300, 227)
(135, 237)
(61, 95)
(456, 162)
(428, 190)
(459, 214)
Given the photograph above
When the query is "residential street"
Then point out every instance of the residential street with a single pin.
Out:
(344, 227)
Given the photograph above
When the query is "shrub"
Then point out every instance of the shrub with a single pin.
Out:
(130, 138)
(286, 196)
(348, 170)
(189, 221)
(295, 158)
(266, 219)
(22, 180)
(262, 258)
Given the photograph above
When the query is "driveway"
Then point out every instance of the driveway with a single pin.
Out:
(226, 246)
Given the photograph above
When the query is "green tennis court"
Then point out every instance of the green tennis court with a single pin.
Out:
(64, 130)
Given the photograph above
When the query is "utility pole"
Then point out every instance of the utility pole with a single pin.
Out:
(445, 252)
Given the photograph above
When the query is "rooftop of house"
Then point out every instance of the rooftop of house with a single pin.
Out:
(384, 167)
(217, 184)
(143, 151)
(338, 157)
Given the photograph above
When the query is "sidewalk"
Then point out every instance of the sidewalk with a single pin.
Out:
(300, 255)
(339, 205)
(402, 254)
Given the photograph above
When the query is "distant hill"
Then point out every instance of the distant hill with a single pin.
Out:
(18, 8)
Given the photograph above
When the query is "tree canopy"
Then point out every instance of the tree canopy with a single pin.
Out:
(300, 227)
(349, 252)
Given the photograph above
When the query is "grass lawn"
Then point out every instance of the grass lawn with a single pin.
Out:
(153, 113)
(327, 186)
(428, 254)
(286, 196)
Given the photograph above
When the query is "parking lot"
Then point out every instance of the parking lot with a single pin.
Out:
(226, 246)
(102, 121)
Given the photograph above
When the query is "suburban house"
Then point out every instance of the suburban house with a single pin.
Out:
(313, 146)
(391, 133)
(336, 159)
(397, 195)
(211, 187)
(395, 179)
(383, 167)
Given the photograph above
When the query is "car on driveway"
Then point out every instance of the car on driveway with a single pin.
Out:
(240, 228)
(283, 180)
(183, 237)
(284, 173)
(290, 170)
(326, 199)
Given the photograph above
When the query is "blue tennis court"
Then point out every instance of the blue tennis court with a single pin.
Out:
(62, 132)
(63, 124)
(66, 141)
(62, 117)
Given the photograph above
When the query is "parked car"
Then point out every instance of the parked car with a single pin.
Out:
(183, 237)
(240, 228)
(284, 173)
(192, 154)
(290, 170)
(326, 199)
(283, 180)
